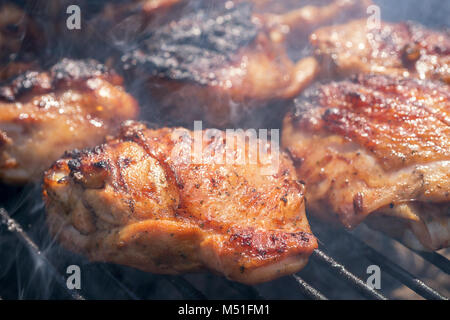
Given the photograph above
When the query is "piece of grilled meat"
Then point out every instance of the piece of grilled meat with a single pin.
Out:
(20, 39)
(43, 113)
(217, 64)
(396, 49)
(144, 200)
(376, 147)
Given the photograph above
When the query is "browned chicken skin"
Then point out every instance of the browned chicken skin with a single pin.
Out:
(141, 200)
(397, 49)
(73, 105)
(380, 147)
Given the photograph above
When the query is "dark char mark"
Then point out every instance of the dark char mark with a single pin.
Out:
(66, 70)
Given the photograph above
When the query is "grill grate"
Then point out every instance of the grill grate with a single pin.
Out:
(22, 210)
(436, 259)
(186, 289)
(340, 270)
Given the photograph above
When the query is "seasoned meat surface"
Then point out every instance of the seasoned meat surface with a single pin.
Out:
(379, 146)
(149, 200)
(396, 49)
(43, 113)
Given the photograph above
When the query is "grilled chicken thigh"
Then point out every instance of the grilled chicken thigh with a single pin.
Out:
(43, 113)
(155, 200)
(376, 147)
(222, 61)
(396, 49)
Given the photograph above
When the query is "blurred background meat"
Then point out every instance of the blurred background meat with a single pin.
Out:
(376, 145)
(399, 49)
(143, 200)
(75, 104)
(216, 64)
(20, 38)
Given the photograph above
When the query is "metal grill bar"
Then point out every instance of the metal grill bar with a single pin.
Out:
(436, 259)
(398, 272)
(247, 291)
(340, 270)
(392, 268)
(308, 290)
(17, 230)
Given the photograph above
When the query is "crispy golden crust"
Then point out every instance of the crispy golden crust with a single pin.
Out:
(18, 32)
(402, 122)
(137, 200)
(397, 49)
(231, 67)
(375, 145)
(20, 41)
(73, 105)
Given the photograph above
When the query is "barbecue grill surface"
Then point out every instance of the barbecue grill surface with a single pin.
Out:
(33, 266)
